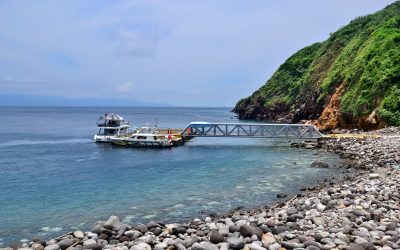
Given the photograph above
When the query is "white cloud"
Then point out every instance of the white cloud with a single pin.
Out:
(137, 43)
(125, 87)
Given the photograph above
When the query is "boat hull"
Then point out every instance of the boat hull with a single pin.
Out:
(103, 138)
(148, 144)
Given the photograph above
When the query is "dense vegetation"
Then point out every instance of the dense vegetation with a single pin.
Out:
(360, 63)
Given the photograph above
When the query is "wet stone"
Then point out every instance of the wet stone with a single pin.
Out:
(281, 195)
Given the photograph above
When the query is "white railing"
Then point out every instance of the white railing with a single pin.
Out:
(255, 130)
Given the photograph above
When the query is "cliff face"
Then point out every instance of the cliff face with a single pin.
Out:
(351, 80)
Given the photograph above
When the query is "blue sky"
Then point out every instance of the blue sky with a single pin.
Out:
(196, 53)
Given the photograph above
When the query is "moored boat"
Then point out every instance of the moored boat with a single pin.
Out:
(111, 126)
(145, 137)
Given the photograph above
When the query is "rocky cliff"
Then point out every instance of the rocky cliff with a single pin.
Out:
(351, 80)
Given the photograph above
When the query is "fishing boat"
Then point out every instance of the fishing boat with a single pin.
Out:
(145, 137)
(111, 126)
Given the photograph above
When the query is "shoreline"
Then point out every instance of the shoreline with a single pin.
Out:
(339, 214)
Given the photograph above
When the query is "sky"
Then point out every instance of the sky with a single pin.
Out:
(185, 53)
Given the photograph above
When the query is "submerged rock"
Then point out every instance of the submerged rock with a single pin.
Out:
(281, 195)
(319, 164)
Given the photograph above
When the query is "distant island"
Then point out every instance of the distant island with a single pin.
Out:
(351, 80)
(59, 101)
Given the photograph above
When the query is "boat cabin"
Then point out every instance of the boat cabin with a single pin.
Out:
(113, 130)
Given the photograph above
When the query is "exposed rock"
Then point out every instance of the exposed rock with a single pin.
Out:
(79, 234)
(141, 246)
(179, 230)
(235, 243)
(93, 246)
(318, 221)
(64, 244)
(216, 238)
(52, 247)
(291, 245)
(373, 176)
(112, 222)
(204, 246)
(268, 239)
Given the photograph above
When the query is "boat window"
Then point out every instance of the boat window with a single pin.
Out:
(109, 132)
(141, 137)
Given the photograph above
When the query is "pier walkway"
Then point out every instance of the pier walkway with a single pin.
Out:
(251, 130)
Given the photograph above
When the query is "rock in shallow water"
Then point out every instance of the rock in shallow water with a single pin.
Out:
(281, 195)
(112, 222)
(319, 164)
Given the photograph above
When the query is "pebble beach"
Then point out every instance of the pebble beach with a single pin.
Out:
(359, 211)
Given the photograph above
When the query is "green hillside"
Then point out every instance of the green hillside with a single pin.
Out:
(350, 80)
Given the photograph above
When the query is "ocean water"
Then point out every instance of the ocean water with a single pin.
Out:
(54, 178)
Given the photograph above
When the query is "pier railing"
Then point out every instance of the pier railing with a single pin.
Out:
(254, 130)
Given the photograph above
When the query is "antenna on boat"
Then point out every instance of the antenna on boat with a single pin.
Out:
(156, 122)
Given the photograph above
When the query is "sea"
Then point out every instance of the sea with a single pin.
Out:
(54, 179)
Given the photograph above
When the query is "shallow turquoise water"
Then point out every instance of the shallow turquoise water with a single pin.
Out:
(53, 178)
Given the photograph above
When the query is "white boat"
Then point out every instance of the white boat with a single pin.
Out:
(145, 137)
(111, 126)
